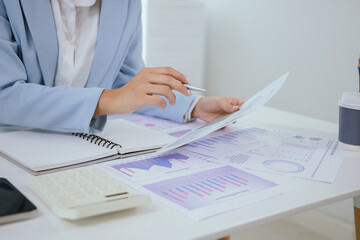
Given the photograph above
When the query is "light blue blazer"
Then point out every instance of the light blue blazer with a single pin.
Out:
(28, 61)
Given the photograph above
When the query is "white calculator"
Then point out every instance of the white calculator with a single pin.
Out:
(82, 193)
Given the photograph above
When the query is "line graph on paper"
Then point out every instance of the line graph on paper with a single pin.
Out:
(143, 168)
(147, 163)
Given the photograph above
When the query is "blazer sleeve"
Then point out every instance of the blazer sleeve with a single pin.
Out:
(22, 103)
(133, 63)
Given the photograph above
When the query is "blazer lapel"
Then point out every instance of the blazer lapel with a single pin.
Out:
(111, 26)
(40, 21)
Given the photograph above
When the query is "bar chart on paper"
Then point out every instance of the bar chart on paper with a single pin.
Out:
(226, 141)
(140, 168)
(208, 187)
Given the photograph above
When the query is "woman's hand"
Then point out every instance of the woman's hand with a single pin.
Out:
(139, 91)
(212, 108)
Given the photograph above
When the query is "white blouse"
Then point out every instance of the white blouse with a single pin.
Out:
(77, 23)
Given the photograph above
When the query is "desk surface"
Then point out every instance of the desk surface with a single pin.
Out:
(157, 221)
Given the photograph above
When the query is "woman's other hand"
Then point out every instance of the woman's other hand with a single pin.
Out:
(212, 108)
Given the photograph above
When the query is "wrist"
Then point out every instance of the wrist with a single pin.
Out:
(188, 115)
(196, 111)
(103, 103)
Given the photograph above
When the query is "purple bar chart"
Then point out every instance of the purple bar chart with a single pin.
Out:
(209, 187)
(224, 142)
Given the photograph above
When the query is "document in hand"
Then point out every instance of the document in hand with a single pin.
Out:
(255, 102)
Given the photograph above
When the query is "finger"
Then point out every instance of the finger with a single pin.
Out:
(155, 101)
(235, 101)
(161, 79)
(171, 72)
(163, 91)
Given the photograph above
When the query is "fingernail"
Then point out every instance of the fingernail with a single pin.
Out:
(236, 107)
(188, 81)
(189, 93)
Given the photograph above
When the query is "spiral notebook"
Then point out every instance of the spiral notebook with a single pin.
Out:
(44, 151)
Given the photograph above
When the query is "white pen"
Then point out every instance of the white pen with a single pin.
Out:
(193, 88)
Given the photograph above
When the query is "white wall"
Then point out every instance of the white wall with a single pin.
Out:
(252, 42)
(173, 36)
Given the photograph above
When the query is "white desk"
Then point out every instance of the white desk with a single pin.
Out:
(157, 221)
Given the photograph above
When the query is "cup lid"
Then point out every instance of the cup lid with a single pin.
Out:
(350, 100)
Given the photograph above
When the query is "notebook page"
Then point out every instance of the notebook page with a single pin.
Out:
(42, 150)
(133, 137)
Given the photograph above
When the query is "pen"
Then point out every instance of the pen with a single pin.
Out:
(193, 88)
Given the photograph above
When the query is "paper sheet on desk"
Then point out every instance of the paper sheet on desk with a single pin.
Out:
(250, 105)
(273, 150)
(198, 186)
(297, 155)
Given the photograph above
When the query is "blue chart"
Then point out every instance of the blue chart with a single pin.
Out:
(146, 164)
(140, 168)
(208, 187)
(223, 142)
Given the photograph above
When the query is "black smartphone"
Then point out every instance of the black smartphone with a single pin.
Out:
(14, 205)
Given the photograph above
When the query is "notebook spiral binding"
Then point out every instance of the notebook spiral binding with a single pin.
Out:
(97, 140)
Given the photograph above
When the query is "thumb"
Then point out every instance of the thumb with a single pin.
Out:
(227, 107)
